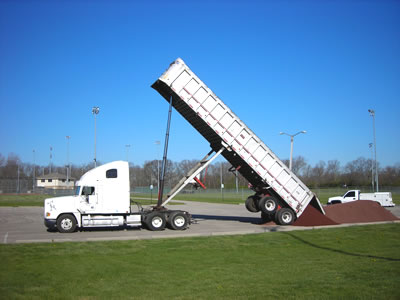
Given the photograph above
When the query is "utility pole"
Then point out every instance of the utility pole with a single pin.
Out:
(372, 114)
(18, 189)
(372, 166)
(237, 186)
(291, 145)
(222, 185)
(51, 156)
(95, 112)
(158, 164)
(68, 165)
(34, 171)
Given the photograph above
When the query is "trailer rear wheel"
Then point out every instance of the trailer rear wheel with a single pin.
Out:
(251, 204)
(268, 205)
(155, 221)
(66, 223)
(285, 216)
(178, 220)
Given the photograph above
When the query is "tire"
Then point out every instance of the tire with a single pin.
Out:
(265, 218)
(178, 220)
(268, 205)
(66, 223)
(251, 204)
(285, 216)
(155, 221)
(335, 202)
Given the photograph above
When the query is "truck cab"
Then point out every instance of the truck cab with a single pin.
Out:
(349, 196)
(101, 197)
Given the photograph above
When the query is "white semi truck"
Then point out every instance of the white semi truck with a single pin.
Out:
(383, 198)
(279, 194)
(102, 199)
(102, 196)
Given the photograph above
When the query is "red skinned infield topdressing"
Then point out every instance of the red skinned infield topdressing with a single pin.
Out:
(346, 213)
(361, 211)
(313, 217)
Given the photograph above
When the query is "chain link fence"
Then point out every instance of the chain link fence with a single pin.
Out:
(25, 186)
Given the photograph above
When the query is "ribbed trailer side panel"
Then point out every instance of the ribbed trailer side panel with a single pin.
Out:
(217, 123)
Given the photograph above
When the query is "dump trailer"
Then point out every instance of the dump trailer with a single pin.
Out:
(279, 194)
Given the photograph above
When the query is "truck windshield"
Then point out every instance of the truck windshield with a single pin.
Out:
(78, 188)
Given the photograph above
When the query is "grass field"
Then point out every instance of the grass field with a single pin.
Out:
(346, 263)
(22, 199)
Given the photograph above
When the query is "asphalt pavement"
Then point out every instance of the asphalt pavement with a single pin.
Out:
(25, 225)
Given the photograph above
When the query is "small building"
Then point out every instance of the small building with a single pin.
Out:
(55, 181)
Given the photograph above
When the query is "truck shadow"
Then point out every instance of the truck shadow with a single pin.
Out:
(337, 250)
(251, 220)
(103, 229)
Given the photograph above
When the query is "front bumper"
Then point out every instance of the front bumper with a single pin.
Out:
(49, 223)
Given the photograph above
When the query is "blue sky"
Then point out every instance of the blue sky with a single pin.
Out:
(279, 65)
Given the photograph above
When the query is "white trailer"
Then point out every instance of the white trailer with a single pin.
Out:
(279, 193)
(102, 199)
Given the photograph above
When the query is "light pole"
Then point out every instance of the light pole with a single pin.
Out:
(18, 190)
(34, 171)
(372, 165)
(158, 164)
(51, 156)
(68, 166)
(95, 112)
(222, 185)
(127, 152)
(372, 114)
(291, 145)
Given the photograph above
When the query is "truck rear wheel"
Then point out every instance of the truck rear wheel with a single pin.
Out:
(66, 223)
(285, 216)
(251, 204)
(268, 205)
(178, 220)
(155, 221)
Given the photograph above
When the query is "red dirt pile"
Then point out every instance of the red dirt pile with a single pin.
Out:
(353, 212)
(359, 212)
(313, 217)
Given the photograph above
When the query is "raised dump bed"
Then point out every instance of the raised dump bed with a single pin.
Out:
(280, 194)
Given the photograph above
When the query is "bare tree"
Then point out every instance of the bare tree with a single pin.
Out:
(357, 172)
(332, 173)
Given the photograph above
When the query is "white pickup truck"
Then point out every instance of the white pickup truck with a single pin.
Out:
(384, 199)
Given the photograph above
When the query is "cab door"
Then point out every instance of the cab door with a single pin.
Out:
(349, 196)
(89, 199)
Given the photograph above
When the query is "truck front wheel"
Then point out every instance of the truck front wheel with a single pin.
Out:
(285, 216)
(66, 223)
(155, 221)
